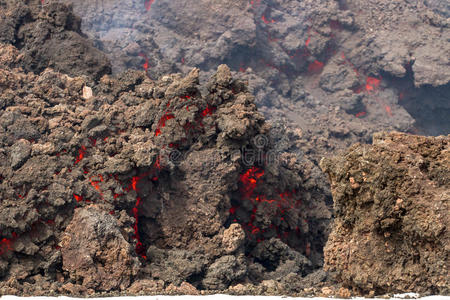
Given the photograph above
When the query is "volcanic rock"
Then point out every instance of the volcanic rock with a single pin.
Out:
(148, 166)
(50, 36)
(391, 204)
(95, 253)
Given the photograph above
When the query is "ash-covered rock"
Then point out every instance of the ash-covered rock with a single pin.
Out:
(391, 203)
(48, 34)
(322, 48)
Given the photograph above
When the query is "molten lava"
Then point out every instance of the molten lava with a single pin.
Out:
(148, 4)
(372, 84)
(81, 154)
(6, 245)
(162, 122)
(249, 180)
(145, 65)
(315, 67)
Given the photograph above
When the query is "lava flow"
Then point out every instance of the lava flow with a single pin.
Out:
(148, 4)
(162, 122)
(250, 180)
(6, 245)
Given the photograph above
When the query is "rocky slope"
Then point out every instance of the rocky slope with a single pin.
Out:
(97, 183)
(391, 230)
(156, 182)
(337, 70)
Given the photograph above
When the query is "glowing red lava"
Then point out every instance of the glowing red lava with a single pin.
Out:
(308, 41)
(264, 19)
(360, 114)
(81, 154)
(6, 245)
(145, 65)
(315, 67)
(148, 4)
(372, 83)
(78, 198)
(209, 110)
(162, 122)
(249, 180)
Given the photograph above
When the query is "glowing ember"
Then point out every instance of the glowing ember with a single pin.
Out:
(360, 114)
(263, 18)
(81, 154)
(6, 245)
(148, 4)
(145, 65)
(315, 67)
(388, 110)
(209, 110)
(308, 41)
(140, 249)
(372, 84)
(162, 122)
(249, 180)
(78, 198)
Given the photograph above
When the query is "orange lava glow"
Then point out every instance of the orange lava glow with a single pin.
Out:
(372, 84)
(315, 67)
(6, 245)
(148, 4)
(249, 180)
(162, 122)
(81, 154)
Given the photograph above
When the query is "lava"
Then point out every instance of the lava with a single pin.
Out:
(209, 110)
(249, 180)
(372, 84)
(6, 245)
(140, 249)
(360, 114)
(308, 41)
(388, 110)
(264, 19)
(81, 154)
(145, 65)
(162, 122)
(148, 4)
(315, 67)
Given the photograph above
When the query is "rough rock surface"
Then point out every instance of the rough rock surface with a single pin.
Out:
(169, 164)
(184, 167)
(391, 231)
(95, 253)
(338, 70)
(50, 36)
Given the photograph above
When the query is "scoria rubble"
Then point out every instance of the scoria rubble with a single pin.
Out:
(158, 146)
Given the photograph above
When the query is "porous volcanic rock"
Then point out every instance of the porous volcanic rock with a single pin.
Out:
(155, 165)
(95, 252)
(50, 37)
(305, 58)
(391, 231)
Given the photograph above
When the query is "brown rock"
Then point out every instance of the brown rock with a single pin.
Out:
(146, 286)
(233, 238)
(184, 289)
(391, 232)
(95, 252)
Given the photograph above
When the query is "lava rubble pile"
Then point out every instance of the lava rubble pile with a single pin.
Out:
(148, 185)
(132, 184)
